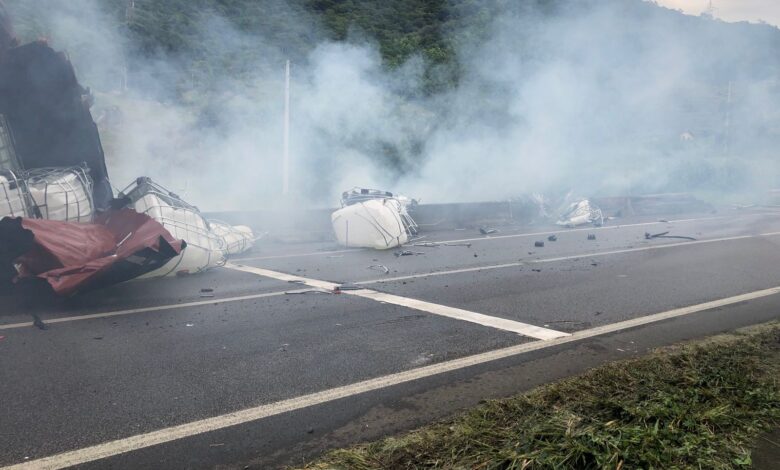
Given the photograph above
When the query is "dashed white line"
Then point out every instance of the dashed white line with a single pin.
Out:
(141, 441)
(442, 310)
(157, 308)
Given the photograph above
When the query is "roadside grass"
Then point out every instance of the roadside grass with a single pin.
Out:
(695, 405)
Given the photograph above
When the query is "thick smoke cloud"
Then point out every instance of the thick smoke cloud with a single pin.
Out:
(608, 97)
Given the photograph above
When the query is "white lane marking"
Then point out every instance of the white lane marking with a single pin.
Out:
(500, 237)
(157, 308)
(442, 310)
(296, 255)
(141, 441)
(460, 314)
(560, 258)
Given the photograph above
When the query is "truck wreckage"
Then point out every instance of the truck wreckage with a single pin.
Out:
(59, 219)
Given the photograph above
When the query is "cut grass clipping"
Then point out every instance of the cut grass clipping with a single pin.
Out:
(699, 405)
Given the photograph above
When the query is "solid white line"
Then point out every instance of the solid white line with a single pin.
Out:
(560, 258)
(157, 308)
(141, 441)
(500, 237)
(442, 310)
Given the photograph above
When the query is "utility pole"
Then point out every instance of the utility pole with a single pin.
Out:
(129, 11)
(727, 123)
(286, 155)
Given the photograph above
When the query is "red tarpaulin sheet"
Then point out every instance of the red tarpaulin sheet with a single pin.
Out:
(118, 246)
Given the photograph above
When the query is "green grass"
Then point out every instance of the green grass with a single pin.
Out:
(698, 405)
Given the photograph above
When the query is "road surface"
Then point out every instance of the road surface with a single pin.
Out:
(258, 364)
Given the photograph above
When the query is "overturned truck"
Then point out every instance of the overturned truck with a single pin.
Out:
(59, 220)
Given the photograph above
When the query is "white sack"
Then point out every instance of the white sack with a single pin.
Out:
(374, 224)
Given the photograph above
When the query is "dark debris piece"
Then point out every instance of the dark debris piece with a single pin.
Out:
(539, 244)
(649, 236)
(552, 238)
(591, 236)
(408, 253)
(487, 231)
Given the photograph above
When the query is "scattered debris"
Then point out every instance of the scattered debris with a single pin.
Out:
(536, 270)
(189, 324)
(345, 287)
(427, 244)
(296, 281)
(539, 244)
(591, 236)
(309, 291)
(467, 245)
(207, 289)
(371, 218)
(663, 221)
(487, 231)
(552, 238)
(219, 444)
(649, 236)
(380, 267)
(408, 253)
(39, 323)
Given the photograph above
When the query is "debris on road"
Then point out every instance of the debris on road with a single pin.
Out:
(371, 218)
(308, 291)
(591, 236)
(552, 238)
(380, 267)
(649, 236)
(345, 287)
(467, 245)
(536, 270)
(408, 253)
(581, 212)
(39, 323)
(487, 231)
(427, 244)
(539, 244)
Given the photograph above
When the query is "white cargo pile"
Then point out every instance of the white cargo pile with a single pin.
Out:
(63, 194)
(373, 219)
(581, 212)
(207, 246)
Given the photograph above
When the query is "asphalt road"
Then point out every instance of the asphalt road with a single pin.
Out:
(241, 367)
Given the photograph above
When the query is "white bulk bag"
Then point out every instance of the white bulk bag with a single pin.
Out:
(375, 223)
(63, 194)
(237, 238)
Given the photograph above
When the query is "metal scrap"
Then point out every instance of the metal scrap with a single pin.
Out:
(552, 238)
(487, 231)
(408, 253)
(539, 244)
(380, 267)
(591, 236)
(649, 236)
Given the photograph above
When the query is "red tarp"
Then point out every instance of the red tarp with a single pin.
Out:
(71, 257)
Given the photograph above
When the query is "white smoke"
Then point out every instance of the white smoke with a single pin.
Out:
(602, 97)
